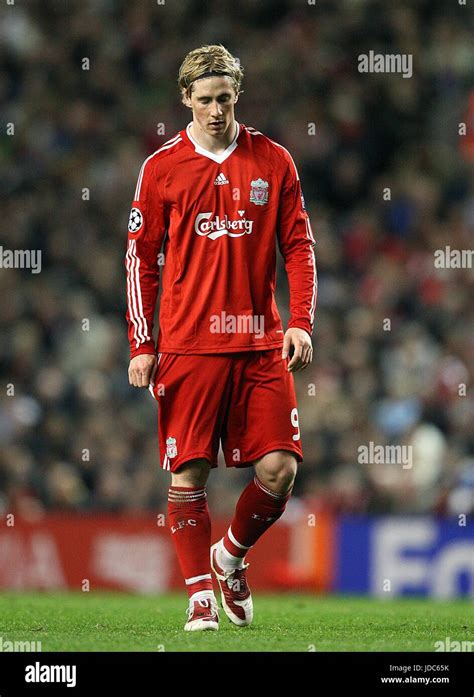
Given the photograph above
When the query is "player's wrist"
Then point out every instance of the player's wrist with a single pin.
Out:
(305, 326)
(143, 350)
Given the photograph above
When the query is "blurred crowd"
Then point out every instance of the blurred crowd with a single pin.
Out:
(388, 179)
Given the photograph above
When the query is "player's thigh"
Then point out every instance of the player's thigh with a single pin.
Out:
(189, 390)
(263, 413)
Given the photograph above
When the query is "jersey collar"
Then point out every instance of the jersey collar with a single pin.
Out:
(211, 155)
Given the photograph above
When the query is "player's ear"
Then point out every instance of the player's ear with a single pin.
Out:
(186, 99)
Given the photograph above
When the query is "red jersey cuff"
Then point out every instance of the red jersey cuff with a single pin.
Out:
(148, 348)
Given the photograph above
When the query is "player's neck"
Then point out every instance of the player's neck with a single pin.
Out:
(215, 144)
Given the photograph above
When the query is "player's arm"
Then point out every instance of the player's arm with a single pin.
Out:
(146, 231)
(296, 243)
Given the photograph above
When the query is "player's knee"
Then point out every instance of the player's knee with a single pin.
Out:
(286, 476)
(277, 471)
(191, 474)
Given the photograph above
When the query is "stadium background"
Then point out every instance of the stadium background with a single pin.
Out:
(79, 460)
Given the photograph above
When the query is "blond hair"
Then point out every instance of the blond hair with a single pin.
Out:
(213, 58)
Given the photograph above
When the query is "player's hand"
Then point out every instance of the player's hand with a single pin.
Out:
(142, 369)
(303, 349)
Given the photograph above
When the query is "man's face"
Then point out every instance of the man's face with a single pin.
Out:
(212, 101)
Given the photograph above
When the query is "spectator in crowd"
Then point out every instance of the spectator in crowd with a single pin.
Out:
(388, 180)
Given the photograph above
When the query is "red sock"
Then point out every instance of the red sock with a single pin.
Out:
(190, 527)
(257, 509)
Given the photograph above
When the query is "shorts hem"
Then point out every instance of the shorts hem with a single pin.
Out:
(191, 456)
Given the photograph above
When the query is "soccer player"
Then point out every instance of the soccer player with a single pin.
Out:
(217, 198)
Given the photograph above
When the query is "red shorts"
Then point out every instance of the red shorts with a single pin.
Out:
(247, 400)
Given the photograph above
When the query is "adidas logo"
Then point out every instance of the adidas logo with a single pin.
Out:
(220, 179)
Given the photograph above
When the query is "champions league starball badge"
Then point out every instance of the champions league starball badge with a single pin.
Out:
(135, 221)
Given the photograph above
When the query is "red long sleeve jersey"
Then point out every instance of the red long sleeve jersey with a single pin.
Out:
(210, 223)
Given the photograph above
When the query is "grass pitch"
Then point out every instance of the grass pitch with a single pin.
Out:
(120, 622)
